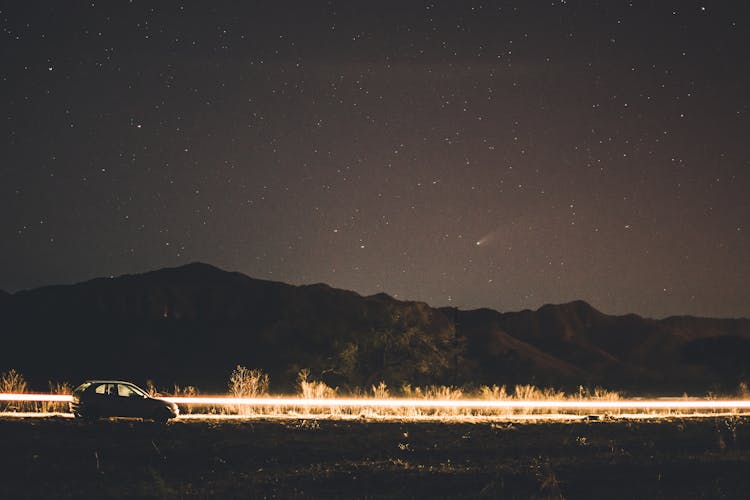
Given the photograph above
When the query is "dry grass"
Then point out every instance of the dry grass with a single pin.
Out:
(151, 388)
(188, 391)
(311, 389)
(380, 391)
(493, 392)
(249, 383)
(12, 382)
(431, 392)
(57, 388)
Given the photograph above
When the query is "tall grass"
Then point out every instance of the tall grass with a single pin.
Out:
(57, 388)
(596, 393)
(12, 382)
(431, 392)
(188, 391)
(380, 391)
(492, 392)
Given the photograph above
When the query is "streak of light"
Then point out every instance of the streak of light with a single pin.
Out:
(453, 404)
(34, 414)
(466, 419)
(54, 398)
(474, 404)
(539, 417)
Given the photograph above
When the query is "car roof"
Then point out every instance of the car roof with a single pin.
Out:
(108, 382)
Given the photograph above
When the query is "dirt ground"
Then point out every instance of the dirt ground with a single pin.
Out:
(679, 458)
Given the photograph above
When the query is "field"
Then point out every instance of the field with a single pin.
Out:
(668, 458)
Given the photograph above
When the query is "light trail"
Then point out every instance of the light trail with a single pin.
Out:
(50, 398)
(437, 404)
(468, 404)
(444, 418)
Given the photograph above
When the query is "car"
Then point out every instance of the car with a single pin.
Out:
(95, 399)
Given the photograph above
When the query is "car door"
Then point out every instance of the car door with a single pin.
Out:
(104, 400)
(93, 399)
(132, 402)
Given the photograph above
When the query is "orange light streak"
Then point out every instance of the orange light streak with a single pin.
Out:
(471, 404)
(54, 398)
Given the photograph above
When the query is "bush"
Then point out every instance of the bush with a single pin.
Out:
(246, 383)
(311, 389)
(12, 382)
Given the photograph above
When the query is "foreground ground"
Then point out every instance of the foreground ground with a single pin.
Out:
(680, 458)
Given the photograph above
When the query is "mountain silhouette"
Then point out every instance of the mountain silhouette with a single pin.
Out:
(192, 324)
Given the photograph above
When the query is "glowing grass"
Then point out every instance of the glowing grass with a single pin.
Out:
(412, 407)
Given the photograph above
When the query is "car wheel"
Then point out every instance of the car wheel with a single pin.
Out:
(161, 418)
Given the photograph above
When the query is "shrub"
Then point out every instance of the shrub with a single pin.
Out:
(12, 382)
(311, 389)
(246, 383)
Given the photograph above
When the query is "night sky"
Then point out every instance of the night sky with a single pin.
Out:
(467, 153)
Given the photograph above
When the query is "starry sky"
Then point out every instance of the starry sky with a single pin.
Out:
(466, 153)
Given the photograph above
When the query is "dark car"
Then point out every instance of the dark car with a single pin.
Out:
(114, 398)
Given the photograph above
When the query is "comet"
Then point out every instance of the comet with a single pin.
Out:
(484, 240)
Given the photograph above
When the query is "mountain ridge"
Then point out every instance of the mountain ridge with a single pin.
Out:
(192, 324)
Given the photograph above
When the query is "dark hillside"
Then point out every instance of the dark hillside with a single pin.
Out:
(618, 351)
(193, 324)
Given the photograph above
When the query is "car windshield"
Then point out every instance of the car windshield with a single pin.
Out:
(79, 390)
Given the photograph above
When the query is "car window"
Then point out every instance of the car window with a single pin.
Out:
(101, 389)
(138, 390)
(126, 391)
